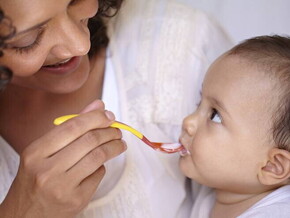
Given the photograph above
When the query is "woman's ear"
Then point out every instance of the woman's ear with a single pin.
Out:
(277, 169)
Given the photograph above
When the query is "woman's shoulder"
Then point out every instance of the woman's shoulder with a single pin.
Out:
(182, 12)
(164, 11)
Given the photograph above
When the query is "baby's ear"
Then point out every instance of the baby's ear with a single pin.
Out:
(277, 169)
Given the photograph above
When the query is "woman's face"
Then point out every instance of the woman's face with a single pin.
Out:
(49, 50)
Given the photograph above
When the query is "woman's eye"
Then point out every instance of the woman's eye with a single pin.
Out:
(29, 42)
(215, 117)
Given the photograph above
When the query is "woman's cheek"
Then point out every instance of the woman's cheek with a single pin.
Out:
(27, 66)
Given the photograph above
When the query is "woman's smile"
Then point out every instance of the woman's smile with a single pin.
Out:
(64, 67)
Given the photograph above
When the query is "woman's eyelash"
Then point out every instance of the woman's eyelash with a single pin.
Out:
(32, 46)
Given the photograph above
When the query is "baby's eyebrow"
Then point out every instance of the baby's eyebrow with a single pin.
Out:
(220, 104)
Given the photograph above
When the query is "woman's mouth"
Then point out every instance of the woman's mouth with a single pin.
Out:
(59, 63)
(63, 67)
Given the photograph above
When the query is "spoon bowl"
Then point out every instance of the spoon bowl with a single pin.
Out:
(159, 146)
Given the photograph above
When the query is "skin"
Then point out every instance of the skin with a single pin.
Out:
(228, 135)
(60, 167)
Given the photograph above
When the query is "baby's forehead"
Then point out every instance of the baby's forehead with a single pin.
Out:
(237, 78)
(251, 70)
(247, 67)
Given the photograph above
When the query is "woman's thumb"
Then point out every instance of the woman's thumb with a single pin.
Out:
(96, 104)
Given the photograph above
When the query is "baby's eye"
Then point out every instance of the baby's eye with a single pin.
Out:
(215, 117)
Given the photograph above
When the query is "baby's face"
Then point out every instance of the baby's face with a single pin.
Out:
(229, 135)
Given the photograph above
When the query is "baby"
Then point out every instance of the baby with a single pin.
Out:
(239, 136)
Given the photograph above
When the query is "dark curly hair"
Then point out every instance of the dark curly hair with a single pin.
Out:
(98, 30)
(272, 54)
(7, 30)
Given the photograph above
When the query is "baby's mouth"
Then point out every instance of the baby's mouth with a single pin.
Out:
(185, 150)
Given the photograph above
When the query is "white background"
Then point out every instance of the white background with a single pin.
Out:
(246, 18)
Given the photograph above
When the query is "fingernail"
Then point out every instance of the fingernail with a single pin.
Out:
(110, 115)
(125, 144)
(97, 104)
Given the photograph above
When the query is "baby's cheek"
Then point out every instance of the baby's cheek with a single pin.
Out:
(199, 154)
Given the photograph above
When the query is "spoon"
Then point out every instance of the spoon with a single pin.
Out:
(159, 146)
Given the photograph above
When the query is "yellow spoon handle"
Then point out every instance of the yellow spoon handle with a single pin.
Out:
(126, 127)
(64, 118)
(116, 124)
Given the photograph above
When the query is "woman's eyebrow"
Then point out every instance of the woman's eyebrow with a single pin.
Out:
(32, 28)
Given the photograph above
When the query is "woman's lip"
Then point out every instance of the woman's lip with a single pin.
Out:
(65, 68)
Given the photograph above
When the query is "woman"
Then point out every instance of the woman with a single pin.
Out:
(158, 51)
(37, 190)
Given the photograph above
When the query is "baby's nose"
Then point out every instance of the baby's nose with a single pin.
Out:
(189, 125)
(185, 139)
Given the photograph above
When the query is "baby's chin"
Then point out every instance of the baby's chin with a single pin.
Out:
(186, 166)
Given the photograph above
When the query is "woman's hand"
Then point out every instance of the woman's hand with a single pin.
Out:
(60, 171)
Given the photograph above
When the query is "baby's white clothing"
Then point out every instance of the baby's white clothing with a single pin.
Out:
(274, 205)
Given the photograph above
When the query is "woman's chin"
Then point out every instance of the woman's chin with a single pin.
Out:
(67, 83)
(66, 86)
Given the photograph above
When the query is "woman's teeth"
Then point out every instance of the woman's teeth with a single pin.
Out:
(59, 63)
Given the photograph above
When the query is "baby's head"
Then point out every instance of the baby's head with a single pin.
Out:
(239, 136)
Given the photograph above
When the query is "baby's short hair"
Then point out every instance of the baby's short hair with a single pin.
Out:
(272, 54)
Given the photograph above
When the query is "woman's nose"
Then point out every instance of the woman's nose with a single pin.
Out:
(71, 39)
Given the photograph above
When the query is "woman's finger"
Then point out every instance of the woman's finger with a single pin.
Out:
(89, 185)
(93, 160)
(74, 152)
(95, 105)
(66, 133)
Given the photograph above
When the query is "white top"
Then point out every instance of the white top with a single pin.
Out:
(110, 96)
(159, 53)
(9, 162)
(274, 205)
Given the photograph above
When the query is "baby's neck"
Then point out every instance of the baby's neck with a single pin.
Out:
(230, 204)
